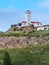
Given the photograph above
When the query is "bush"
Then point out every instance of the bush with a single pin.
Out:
(30, 55)
(7, 60)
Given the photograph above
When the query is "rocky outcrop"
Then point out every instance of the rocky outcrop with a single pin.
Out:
(13, 42)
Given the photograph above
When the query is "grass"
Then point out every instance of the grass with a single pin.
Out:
(31, 55)
(18, 34)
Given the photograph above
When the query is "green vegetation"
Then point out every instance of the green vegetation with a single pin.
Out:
(33, 33)
(31, 55)
(7, 60)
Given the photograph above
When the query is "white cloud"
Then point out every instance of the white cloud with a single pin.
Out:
(40, 16)
(9, 16)
(10, 13)
(44, 3)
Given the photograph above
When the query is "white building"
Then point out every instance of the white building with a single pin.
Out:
(27, 18)
(36, 24)
(42, 28)
(28, 22)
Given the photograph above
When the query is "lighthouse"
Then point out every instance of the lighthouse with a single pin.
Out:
(28, 17)
(27, 21)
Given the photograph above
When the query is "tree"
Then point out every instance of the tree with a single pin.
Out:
(20, 24)
(14, 29)
(32, 25)
(7, 60)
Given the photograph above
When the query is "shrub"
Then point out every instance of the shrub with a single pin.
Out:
(7, 60)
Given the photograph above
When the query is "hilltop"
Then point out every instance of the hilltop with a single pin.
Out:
(25, 33)
(15, 39)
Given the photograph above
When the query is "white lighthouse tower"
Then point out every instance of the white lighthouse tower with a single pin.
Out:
(28, 17)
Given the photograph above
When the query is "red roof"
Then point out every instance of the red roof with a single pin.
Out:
(32, 22)
(35, 22)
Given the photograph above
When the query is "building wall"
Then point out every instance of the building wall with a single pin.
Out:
(42, 28)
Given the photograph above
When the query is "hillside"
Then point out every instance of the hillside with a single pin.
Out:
(25, 48)
(13, 42)
(22, 39)
(31, 55)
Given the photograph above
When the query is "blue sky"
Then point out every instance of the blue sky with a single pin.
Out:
(13, 11)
